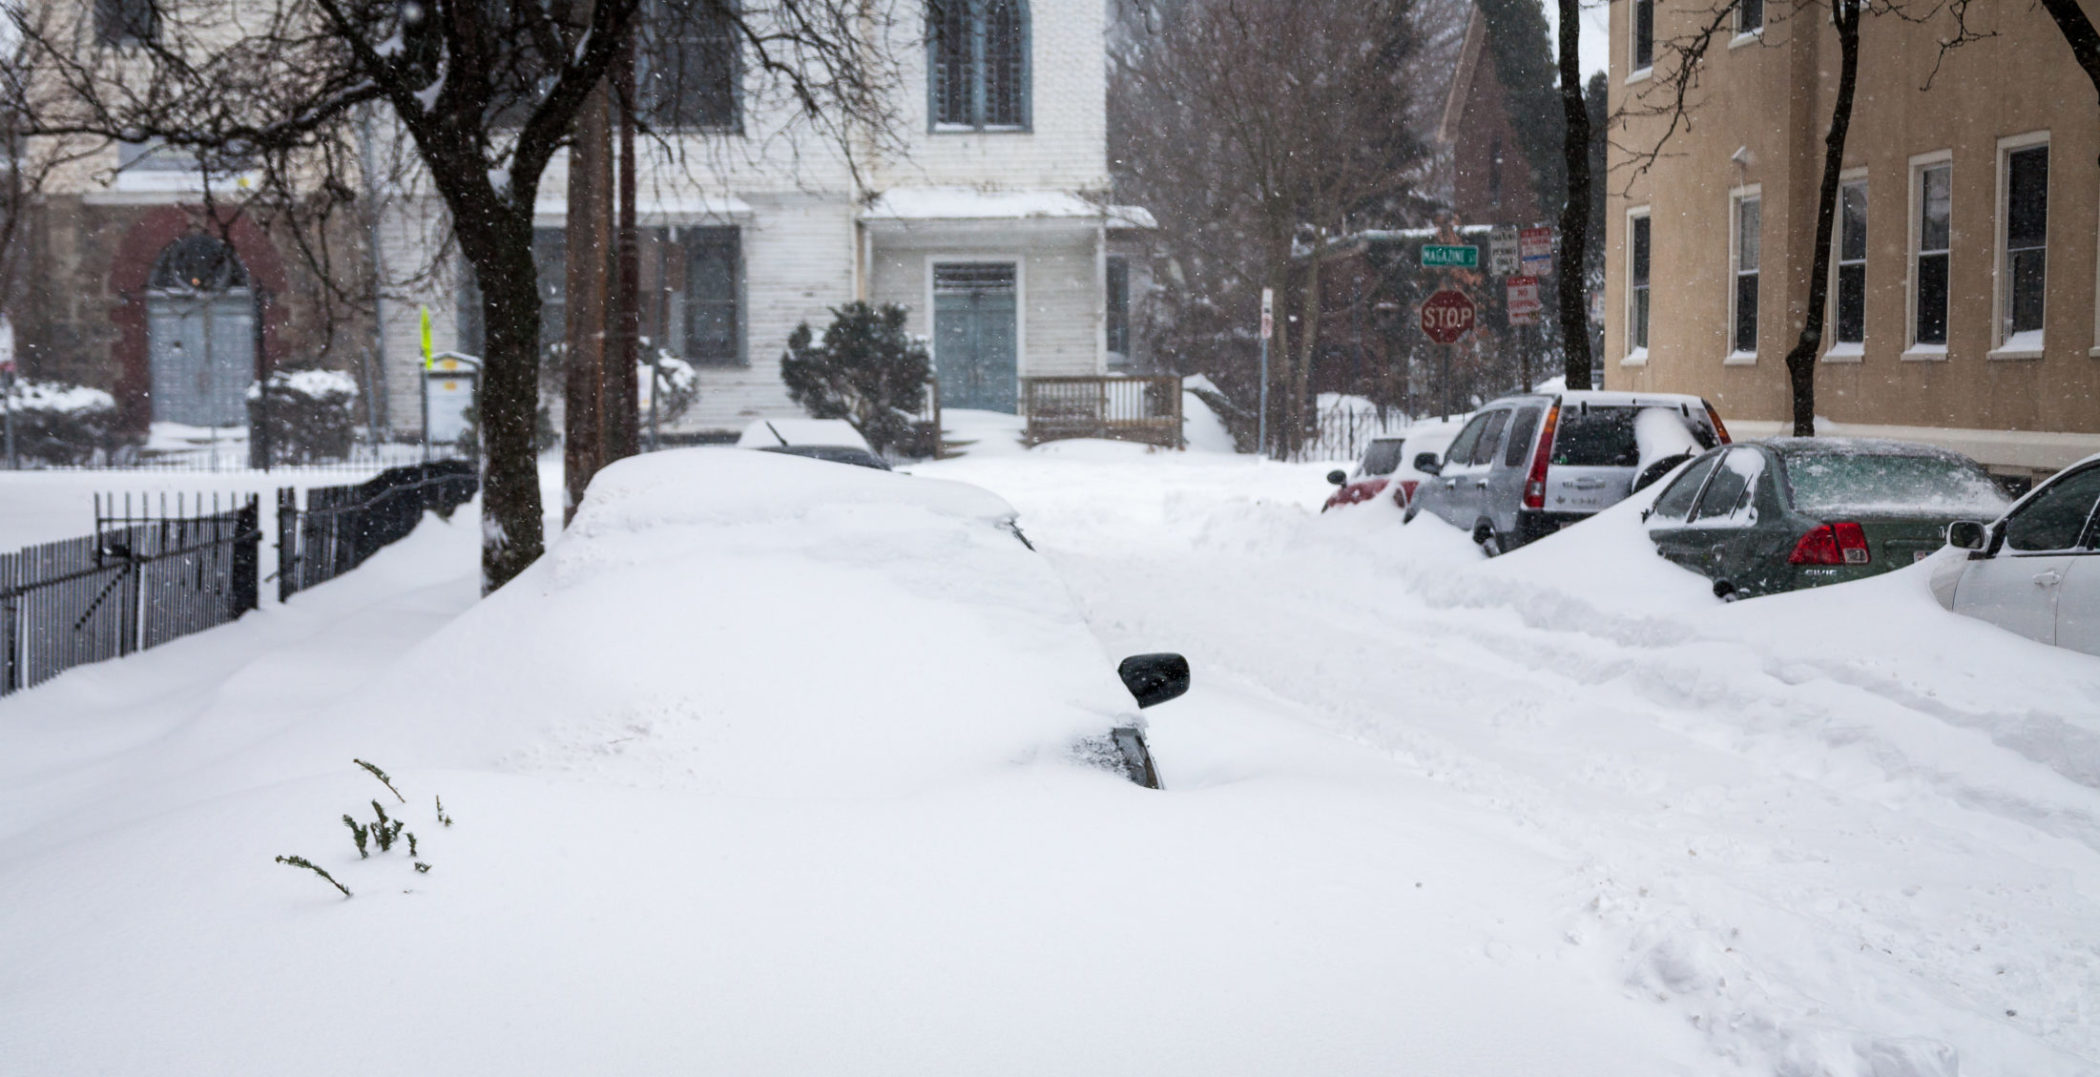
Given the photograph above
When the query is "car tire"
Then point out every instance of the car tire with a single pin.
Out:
(1726, 591)
(1485, 537)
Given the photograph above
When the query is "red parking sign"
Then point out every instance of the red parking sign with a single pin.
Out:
(1446, 316)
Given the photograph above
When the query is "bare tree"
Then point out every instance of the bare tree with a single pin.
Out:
(1572, 302)
(1261, 133)
(485, 93)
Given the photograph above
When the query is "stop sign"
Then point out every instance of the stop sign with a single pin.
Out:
(1446, 316)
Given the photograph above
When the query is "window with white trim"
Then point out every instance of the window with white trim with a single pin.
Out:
(977, 64)
(1848, 314)
(1748, 216)
(1642, 16)
(2024, 258)
(1749, 16)
(1934, 187)
(1638, 244)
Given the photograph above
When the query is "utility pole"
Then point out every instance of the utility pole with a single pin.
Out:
(589, 242)
(618, 402)
(1268, 328)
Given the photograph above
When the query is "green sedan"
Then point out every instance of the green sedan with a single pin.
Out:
(1803, 512)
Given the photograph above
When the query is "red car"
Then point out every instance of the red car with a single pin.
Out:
(1386, 464)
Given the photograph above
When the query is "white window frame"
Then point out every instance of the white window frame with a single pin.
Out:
(1915, 218)
(1753, 192)
(2001, 254)
(1751, 34)
(1835, 350)
(1633, 24)
(1638, 356)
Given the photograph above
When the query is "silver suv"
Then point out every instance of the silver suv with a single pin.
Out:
(1528, 465)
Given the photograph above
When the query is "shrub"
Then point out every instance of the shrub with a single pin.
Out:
(309, 416)
(62, 424)
(865, 369)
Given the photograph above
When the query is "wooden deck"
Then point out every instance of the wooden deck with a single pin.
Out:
(1144, 408)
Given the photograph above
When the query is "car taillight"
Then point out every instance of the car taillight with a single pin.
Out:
(1535, 483)
(1405, 493)
(1714, 417)
(1832, 544)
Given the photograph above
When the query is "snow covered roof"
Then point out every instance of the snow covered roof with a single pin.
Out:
(974, 204)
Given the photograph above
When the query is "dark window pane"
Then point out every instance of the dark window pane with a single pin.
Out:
(1730, 486)
(1750, 15)
(1383, 457)
(2057, 515)
(1461, 448)
(1119, 306)
(1643, 34)
(1932, 299)
(1852, 222)
(1746, 233)
(953, 89)
(1640, 251)
(1676, 502)
(1520, 433)
(550, 262)
(1596, 437)
(2028, 274)
(1005, 64)
(1852, 304)
(712, 291)
(1491, 437)
(124, 22)
(1746, 312)
(688, 67)
(1640, 317)
(2027, 198)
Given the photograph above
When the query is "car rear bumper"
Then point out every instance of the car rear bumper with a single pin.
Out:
(1533, 526)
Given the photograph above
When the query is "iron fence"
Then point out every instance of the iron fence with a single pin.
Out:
(1343, 432)
(341, 526)
(145, 577)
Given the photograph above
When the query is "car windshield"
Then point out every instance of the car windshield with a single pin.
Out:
(1829, 483)
(1382, 458)
(1605, 437)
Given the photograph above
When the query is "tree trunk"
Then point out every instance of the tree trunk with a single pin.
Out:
(1801, 358)
(1279, 360)
(622, 438)
(1575, 212)
(2078, 31)
(511, 514)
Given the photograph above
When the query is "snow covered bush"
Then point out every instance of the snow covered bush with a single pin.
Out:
(62, 424)
(864, 369)
(675, 386)
(309, 415)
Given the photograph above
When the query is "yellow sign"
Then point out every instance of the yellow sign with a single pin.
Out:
(426, 337)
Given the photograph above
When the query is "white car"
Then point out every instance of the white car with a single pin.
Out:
(2036, 570)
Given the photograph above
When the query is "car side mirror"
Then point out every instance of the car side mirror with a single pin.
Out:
(1338, 477)
(1968, 535)
(1428, 464)
(1154, 678)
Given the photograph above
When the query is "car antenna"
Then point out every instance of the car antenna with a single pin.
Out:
(776, 432)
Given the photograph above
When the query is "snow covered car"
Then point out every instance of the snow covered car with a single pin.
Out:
(1791, 513)
(1528, 465)
(2035, 570)
(1387, 462)
(776, 625)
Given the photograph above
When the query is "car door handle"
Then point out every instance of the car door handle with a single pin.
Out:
(2048, 579)
(1587, 483)
(1480, 484)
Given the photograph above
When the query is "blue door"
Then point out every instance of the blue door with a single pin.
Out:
(976, 336)
(202, 351)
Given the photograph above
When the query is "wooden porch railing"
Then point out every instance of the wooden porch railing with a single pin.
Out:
(1145, 408)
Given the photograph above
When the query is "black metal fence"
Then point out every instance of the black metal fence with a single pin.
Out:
(341, 526)
(145, 577)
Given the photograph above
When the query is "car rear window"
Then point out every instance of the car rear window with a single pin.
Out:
(1383, 457)
(1484, 451)
(1520, 433)
(1864, 483)
(1604, 436)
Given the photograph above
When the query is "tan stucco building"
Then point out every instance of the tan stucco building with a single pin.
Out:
(1966, 262)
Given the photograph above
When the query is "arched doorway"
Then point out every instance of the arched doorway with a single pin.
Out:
(200, 333)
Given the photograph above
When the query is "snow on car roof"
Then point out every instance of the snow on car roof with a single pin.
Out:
(767, 432)
(1859, 446)
(766, 625)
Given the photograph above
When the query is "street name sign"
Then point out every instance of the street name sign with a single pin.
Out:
(1444, 255)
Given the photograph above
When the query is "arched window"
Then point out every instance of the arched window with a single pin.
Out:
(977, 64)
(198, 263)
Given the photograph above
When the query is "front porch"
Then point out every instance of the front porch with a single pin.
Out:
(1143, 408)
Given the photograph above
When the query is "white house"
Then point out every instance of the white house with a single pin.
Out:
(988, 227)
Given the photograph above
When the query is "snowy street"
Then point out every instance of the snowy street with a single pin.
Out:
(1558, 812)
